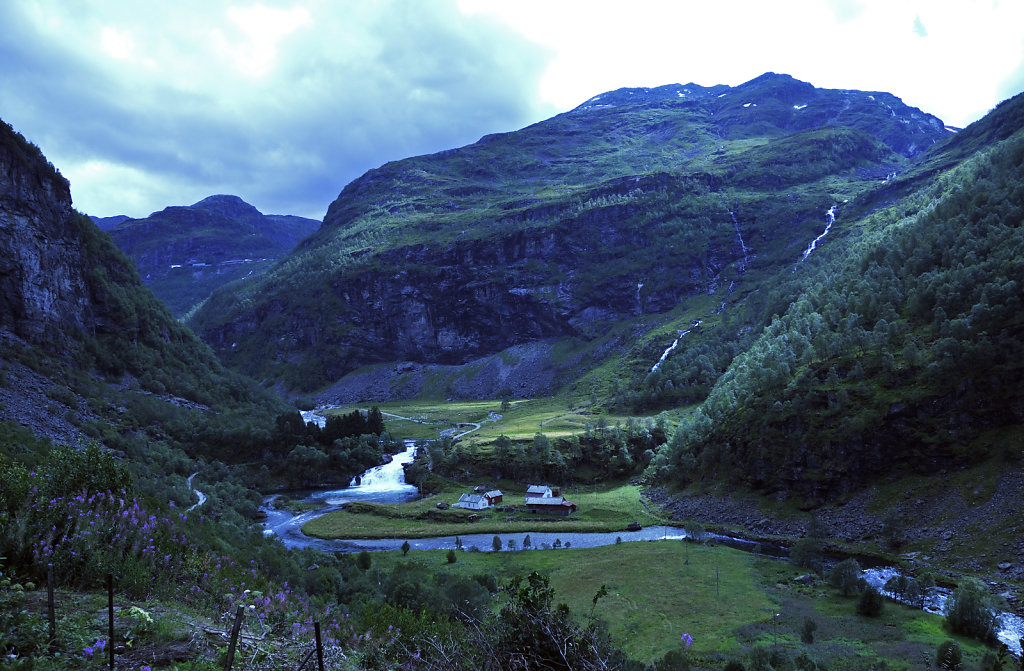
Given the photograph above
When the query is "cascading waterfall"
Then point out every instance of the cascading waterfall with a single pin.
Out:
(739, 236)
(675, 343)
(389, 476)
(831, 219)
(312, 416)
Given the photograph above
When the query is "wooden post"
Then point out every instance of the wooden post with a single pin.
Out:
(319, 647)
(234, 637)
(51, 610)
(110, 618)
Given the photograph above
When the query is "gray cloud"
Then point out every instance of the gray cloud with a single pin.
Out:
(200, 108)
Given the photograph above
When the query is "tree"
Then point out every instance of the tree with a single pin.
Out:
(511, 544)
(806, 553)
(870, 603)
(375, 421)
(451, 556)
(363, 560)
(845, 576)
(807, 633)
(496, 544)
(405, 548)
(969, 610)
(527, 543)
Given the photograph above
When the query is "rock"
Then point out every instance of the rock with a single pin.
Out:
(1006, 565)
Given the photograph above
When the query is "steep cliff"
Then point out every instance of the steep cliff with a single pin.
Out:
(77, 328)
(43, 289)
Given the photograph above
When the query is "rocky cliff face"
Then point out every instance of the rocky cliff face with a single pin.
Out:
(43, 290)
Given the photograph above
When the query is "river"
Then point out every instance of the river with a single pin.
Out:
(386, 484)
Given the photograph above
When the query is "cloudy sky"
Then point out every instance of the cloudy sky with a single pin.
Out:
(283, 102)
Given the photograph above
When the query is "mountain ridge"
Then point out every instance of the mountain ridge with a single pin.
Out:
(563, 208)
(185, 252)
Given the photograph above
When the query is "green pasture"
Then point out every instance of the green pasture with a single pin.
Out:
(729, 601)
(556, 417)
(653, 596)
(609, 507)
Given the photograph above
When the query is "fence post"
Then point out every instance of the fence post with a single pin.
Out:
(234, 637)
(319, 648)
(110, 618)
(51, 614)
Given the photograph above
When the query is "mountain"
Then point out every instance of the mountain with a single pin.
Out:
(107, 223)
(518, 264)
(86, 351)
(184, 253)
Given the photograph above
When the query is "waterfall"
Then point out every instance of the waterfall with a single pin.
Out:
(674, 344)
(312, 416)
(743, 247)
(389, 476)
(830, 216)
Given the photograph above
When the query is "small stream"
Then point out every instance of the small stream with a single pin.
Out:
(386, 484)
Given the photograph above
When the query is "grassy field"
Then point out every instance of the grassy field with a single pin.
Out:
(555, 417)
(647, 610)
(729, 601)
(604, 508)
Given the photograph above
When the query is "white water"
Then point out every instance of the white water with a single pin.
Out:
(743, 246)
(386, 478)
(1010, 626)
(199, 494)
(312, 416)
(675, 343)
(831, 218)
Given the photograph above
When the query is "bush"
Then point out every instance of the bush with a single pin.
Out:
(870, 603)
(969, 611)
(451, 556)
(806, 553)
(845, 576)
(363, 560)
(807, 633)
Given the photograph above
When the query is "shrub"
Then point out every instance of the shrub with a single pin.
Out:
(363, 560)
(870, 603)
(451, 556)
(806, 553)
(969, 611)
(807, 633)
(845, 576)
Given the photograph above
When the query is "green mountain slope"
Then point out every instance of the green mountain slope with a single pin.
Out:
(185, 253)
(905, 352)
(606, 228)
(87, 351)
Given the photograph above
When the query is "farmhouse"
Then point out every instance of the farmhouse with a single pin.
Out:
(493, 497)
(550, 505)
(543, 499)
(537, 491)
(471, 502)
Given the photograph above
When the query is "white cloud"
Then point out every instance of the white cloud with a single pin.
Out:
(284, 101)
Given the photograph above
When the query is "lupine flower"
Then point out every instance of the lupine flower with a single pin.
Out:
(687, 640)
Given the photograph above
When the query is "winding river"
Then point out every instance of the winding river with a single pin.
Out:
(386, 484)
